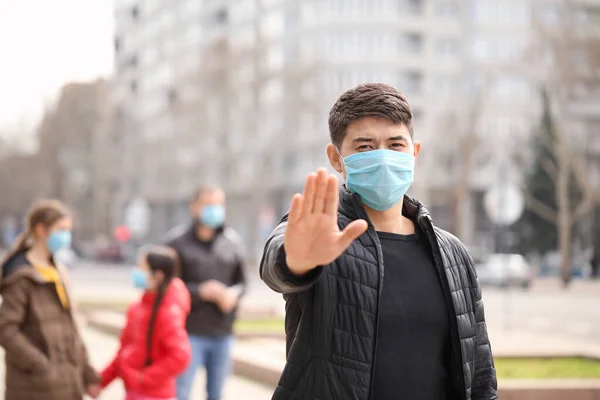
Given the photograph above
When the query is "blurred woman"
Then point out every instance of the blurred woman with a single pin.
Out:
(155, 347)
(45, 356)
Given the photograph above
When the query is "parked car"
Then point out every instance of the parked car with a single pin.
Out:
(551, 264)
(504, 270)
(110, 252)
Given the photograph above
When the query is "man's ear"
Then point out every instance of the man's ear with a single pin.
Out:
(335, 159)
(417, 150)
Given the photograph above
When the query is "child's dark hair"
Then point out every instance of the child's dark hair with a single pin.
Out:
(164, 259)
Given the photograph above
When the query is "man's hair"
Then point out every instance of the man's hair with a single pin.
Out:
(368, 100)
(200, 190)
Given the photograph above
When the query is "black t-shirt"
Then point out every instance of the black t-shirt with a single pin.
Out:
(413, 340)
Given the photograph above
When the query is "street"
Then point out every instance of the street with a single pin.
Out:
(543, 309)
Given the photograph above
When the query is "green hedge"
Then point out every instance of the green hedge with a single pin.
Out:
(548, 368)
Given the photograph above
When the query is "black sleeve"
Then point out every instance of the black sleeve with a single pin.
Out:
(239, 278)
(485, 383)
(274, 270)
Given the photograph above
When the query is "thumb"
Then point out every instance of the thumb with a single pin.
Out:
(352, 231)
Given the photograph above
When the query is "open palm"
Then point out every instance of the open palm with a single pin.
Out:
(312, 236)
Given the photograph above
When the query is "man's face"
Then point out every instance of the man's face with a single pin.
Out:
(208, 198)
(372, 133)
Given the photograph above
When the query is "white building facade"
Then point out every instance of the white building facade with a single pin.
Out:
(238, 91)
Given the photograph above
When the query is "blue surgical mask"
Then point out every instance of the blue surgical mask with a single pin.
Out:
(380, 177)
(139, 278)
(59, 240)
(213, 216)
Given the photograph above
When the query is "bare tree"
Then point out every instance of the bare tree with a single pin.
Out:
(458, 156)
(575, 64)
(22, 181)
(75, 152)
(468, 144)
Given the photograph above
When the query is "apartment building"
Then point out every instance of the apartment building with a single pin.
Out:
(238, 91)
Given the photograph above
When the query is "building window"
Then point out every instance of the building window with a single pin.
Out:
(221, 16)
(133, 86)
(410, 7)
(135, 13)
(513, 87)
(549, 14)
(117, 44)
(448, 9)
(411, 82)
(133, 61)
(510, 12)
(506, 48)
(444, 84)
(172, 96)
(475, 83)
(417, 116)
(411, 43)
(448, 46)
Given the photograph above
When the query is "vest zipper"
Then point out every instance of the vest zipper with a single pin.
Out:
(454, 334)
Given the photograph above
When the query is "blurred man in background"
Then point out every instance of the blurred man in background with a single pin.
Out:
(212, 267)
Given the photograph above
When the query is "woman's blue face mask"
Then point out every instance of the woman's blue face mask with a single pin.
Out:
(59, 240)
(380, 177)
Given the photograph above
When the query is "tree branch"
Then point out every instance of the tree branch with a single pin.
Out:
(582, 178)
(582, 210)
(541, 209)
(550, 168)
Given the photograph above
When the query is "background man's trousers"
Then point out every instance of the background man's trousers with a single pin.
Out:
(214, 353)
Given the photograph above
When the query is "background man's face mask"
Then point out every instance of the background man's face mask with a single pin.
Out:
(213, 216)
(380, 177)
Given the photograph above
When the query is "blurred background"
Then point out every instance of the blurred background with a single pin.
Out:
(121, 109)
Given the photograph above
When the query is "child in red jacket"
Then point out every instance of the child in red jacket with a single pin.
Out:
(154, 347)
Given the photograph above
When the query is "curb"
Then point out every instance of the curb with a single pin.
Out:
(549, 390)
(256, 373)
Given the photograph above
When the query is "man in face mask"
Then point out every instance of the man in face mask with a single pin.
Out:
(212, 267)
(381, 304)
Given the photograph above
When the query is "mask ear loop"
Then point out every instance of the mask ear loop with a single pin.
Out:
(344, 172)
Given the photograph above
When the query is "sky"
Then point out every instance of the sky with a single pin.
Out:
(43, 45)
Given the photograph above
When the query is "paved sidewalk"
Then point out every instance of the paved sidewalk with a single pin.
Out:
(102, 347)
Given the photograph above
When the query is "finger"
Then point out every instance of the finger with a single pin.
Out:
(351, 232)
(332, 195)
(309, 194)
(295, 208)
(321, 188)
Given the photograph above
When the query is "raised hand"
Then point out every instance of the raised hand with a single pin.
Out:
(312, 236)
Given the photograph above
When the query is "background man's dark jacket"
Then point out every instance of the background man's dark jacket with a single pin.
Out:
(221, 260)
(331, 313)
